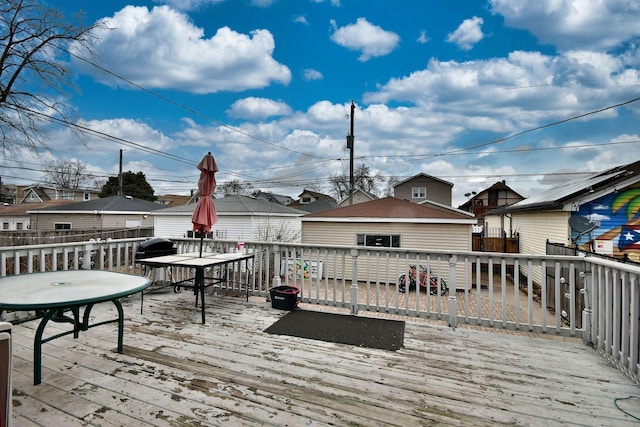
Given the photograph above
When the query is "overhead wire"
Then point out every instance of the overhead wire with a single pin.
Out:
(466, 150)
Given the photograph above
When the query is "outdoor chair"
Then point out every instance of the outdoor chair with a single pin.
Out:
(5, 374)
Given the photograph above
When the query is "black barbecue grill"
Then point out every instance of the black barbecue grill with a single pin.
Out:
(156, 246)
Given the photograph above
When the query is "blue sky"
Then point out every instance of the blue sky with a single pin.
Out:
(465, 90)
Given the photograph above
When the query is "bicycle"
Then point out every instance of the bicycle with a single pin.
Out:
(437, 285)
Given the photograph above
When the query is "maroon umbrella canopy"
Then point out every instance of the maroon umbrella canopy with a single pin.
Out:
(204, 215)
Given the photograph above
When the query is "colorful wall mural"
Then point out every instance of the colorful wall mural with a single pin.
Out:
(617, 216)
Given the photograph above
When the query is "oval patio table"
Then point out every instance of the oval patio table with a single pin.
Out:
(55, 292)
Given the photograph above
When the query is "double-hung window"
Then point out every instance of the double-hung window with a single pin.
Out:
(419, 192)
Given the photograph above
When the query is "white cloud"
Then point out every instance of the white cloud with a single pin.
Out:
(161, 48)
(262, 3)
(300, 19)
(512, 93)
(335, 3)
(258, 108)
(311, 74)
(573, 24)
(188, 4)
(467, 34)
(369, 39)
(422, 38)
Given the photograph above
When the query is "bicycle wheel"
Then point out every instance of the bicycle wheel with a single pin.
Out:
(402, 283)
(438, 286)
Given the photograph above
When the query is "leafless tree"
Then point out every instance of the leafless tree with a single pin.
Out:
(363, 178)
(234, 187)
(69, 174)
(34, 79)
(278, 231)
(392, 181)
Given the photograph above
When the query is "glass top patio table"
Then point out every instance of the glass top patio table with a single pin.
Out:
(55, 292)
(60, 289)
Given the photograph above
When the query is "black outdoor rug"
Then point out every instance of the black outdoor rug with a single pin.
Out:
(340, 328)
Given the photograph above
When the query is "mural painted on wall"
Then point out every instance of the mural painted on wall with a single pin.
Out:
(617, 217)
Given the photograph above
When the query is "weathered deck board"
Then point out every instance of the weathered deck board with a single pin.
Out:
(175, 371)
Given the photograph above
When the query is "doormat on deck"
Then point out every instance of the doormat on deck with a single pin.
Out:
(341, 328)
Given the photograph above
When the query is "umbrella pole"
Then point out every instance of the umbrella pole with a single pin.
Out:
(201, 242)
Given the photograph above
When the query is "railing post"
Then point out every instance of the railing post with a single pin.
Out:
(453, 304)
(354, 281)
(586, 311)
(86, 257)
(276, 265)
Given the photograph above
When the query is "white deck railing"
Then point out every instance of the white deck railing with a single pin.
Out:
(585, 297)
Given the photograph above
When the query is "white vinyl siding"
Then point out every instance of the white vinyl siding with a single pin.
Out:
(228, 227)
(43, 221)
(451, 237)
(536, 228)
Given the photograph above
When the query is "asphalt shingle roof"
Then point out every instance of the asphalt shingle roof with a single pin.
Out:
(109, 204)
(240, 204)
(392, 208)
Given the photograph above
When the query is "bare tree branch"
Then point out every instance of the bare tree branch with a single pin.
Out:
(33, 74)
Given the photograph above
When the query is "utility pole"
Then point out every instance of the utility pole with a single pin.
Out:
(120, 176)
(350, 139)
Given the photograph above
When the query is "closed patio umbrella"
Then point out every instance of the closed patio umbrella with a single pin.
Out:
(204, 215)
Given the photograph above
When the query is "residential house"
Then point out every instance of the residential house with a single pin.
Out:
(173, 199)
(8, 193)
(40, 193)
(274, 198)
(359, 196)
(312, 201)
(497, 195)
(16, 218)
(109, 213)
(598, 212)
(240, 218)
(423, 187)
(393, 223)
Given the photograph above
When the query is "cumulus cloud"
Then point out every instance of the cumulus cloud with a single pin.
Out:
(161, 48)
(311, 74)
(258, 108)
(365, 37)
(516, 92)
(570, 24)
(467, 34)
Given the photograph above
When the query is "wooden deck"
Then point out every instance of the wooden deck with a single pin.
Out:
(177, 372)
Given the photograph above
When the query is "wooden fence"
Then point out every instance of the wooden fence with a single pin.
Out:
(35, 237)
(509, 245)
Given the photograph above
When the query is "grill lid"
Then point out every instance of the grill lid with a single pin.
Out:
(156, 246)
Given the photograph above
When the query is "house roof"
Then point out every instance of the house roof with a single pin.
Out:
(423, 175)
(38, 191)
(22, 208)
(316, 195)
(369, 195)
(498, 186)
(111, 204)
(271, 197)
(319, 205)
(590, 184)
(391, 208)
(173, 199)
(237, 205)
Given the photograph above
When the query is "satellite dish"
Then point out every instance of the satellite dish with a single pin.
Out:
(580, 225)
